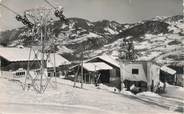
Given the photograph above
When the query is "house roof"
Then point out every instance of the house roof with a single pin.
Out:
(168, 70)
(16, 54)
(106, 58)
(59, 61)
(22, 54)
(96, 66)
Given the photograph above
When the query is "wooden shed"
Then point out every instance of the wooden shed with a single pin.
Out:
(90, 71)
(177, 75)
(114, 73)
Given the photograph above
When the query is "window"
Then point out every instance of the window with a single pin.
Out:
(49, 74)
(135, 71)
(19, 74)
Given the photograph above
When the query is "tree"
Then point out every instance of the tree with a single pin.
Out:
(127, 51)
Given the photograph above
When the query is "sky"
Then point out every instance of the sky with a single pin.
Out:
(122, 11)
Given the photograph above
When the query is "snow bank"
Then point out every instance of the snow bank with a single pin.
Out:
(148, 93)
(111, 89)
(124, 92)
(174, 91)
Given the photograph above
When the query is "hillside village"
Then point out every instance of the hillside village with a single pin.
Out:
(74, 65)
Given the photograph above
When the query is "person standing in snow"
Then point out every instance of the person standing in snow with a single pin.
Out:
(97, 76)
(164, 87)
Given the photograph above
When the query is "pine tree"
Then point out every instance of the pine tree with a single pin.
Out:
(127, 51)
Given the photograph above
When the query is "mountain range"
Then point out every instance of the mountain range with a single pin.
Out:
(160, 39)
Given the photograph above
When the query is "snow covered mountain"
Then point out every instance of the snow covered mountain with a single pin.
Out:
(160, 39)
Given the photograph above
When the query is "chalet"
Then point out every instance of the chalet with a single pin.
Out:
(16, 60)
(90, 70)
(108, 67)
(115, 73)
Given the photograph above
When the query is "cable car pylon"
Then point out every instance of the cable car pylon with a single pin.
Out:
(58, 12)
(38, 82)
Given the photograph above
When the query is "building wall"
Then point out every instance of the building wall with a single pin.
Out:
(88, 77)
(23, 64)
(50, 72)
(113, 75)
(6, 74)
(180, 80)
(153, 74)
(126, 72)
(13, 66)
(13, 74)
(178, 69)
(179, 74)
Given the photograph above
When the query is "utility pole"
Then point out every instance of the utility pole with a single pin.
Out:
(55, 69)
(82, 68)
(183, 9)
(0, 68)
(42, 57)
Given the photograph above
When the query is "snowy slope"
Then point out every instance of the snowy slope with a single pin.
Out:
(90, 98)
(174, 91)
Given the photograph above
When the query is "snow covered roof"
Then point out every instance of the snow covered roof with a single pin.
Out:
(95, 66)
(59, 60)
(22, 54)
(108, 59)
(168, 70)
(16, 54)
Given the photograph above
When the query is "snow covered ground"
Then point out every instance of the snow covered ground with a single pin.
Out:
(149, 94)
(66, 99)
(174, 92)
(167, 102)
